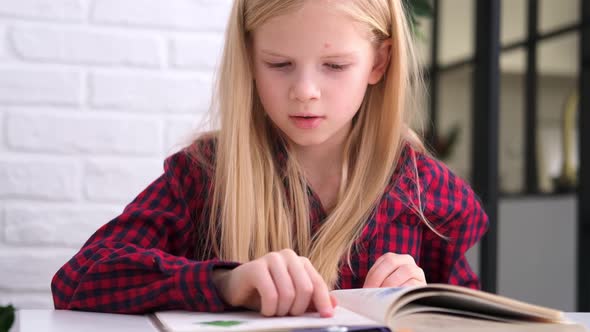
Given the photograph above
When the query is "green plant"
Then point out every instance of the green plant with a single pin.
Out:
(416, 9)
(6, 318)
(444, 145)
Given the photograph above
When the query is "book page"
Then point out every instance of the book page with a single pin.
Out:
(445, 307)
(471, 301)
(509, 304)
(434, 322)
(185, 321)
(470, 305)
(373, 303)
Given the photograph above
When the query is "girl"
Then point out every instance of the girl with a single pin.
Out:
(314, 180)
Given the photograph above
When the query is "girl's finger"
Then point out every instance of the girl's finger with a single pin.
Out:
(384, 267)
(413, 282)
(264, 284)
(333, 299)
(283, 283)
(321, 294)
(302, 282)
(401, 275)
(371, 279)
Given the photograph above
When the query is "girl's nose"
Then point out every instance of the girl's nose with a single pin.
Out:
(304, 89)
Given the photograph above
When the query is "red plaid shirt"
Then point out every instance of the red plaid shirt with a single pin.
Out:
(144, 259)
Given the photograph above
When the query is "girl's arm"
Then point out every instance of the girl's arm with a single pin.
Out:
(456, 212)
(135, 263)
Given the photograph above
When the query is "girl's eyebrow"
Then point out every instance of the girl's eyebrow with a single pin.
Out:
(273, 54)
(331, 56)
(341, 55)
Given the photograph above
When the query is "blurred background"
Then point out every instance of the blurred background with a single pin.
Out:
(94, 94)
(505, 79)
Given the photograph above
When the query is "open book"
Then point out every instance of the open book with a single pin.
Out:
(435, 307)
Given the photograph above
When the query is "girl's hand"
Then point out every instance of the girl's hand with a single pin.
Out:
(393, 270)
(276, 284)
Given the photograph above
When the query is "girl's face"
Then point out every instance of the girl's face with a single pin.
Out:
(312, 68)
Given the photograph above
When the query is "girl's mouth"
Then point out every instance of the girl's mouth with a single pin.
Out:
(306, 122)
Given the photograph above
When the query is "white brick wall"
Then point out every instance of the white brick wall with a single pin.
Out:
(39, 178)
(185, 92)
(93, 95)
(3, 45)
(62, 10)
(77, 45)
(200, 15)
(40, 86)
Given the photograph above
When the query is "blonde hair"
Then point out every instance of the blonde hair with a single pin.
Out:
(258, 205)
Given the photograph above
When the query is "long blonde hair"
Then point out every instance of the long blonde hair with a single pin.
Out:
(258, 205)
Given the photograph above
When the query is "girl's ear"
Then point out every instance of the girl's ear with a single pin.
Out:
(382, 56)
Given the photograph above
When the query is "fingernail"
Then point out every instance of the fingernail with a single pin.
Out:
(333, 301)
(327, 313)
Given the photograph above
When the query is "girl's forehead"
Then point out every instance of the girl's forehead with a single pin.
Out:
(316, 24)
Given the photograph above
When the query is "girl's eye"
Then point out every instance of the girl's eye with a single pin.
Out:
(279, 65)
(335, 67)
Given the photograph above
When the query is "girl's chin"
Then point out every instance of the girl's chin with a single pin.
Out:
(308, 142)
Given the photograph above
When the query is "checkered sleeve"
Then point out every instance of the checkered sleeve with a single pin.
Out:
(455, 211)
(136, 263)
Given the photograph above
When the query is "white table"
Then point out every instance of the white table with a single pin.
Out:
(76, 321)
